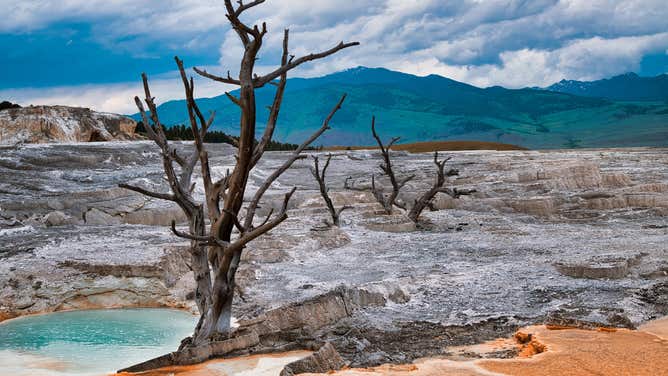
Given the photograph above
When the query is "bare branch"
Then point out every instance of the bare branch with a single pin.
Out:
(429, 195)
(391, 200)
(242, 29)
(180, 187)
(394, 139)
(149, 128)
(275, 106)
(324, 168)
(266, 219)
(209, 240)
(243, 7)
(162, 196)
(405, 180)
(250, 211)
(320, 179)
(232, 98)
(344, 207)
(199, 131)
(212, 245)
(264, 228)
(380, 196)
(153, 110)
(261, 81)
(157, 132)
(237, 224)
(225, 80)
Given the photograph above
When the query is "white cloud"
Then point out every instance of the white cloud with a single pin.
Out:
(117, 98)
(496, 42)
(128, 16)
(584, 59)
(513, 43)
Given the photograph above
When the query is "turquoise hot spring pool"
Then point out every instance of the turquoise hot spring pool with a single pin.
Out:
(95, 342)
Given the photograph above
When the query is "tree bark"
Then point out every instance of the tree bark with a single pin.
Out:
(319, 176)
(388, 202)
(216, 248)
(428, 196)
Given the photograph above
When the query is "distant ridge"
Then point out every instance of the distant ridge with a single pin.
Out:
(431, 146)
(436, 108)
(625, 87)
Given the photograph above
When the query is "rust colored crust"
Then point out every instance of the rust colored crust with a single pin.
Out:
(194, 370)
(564, 352)
(532, 348)
(657, 327)
(543, 351)
(6, 316)
(603, 351)
(209, 368)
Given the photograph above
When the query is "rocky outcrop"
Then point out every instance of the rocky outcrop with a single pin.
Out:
(557, 189)
(324, 360)
(292, 326)
(325, 309)
(613, 267)
(96, 280)
(45, 124)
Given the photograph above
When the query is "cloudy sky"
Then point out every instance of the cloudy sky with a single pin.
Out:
(91, 52)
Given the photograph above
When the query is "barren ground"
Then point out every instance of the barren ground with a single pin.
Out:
(550, 235)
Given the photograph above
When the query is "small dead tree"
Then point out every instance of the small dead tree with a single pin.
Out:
(217, 245)
(319, 176)
(388, 201)
(425, 200)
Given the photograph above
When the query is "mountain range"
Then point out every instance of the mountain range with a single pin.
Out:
(625, 87)
(625, 110)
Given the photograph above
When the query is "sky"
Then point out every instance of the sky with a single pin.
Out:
(91, 53)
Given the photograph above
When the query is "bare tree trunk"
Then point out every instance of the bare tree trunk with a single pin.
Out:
(324, 191)
(390, 201)
(216, 251)
(426, 197)
(202, 274)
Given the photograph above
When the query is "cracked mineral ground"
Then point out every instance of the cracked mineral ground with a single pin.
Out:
(549, 235)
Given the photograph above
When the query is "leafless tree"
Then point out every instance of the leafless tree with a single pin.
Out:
(217, 245)
(426, 198)
(388, 201)
(319, 176)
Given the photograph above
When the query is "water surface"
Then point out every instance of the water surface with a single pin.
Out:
(89, 342)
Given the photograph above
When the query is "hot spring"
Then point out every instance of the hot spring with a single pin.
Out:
(94, 342)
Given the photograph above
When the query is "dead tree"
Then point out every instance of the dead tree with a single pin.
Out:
(216, 246)
(426, 198)
(388, 201)
(319, 176)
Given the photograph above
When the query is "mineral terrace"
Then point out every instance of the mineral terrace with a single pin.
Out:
(550, 235)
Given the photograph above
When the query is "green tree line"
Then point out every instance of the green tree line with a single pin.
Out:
(183, 133)
(5, 105)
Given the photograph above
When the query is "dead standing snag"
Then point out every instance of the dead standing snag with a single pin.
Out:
(319, 176)
(388, 201)
(424, 200)
(215, 246)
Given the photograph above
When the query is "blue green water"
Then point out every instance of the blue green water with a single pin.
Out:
(89, 342)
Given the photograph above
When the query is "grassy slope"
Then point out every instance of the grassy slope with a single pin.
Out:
(438, 109)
